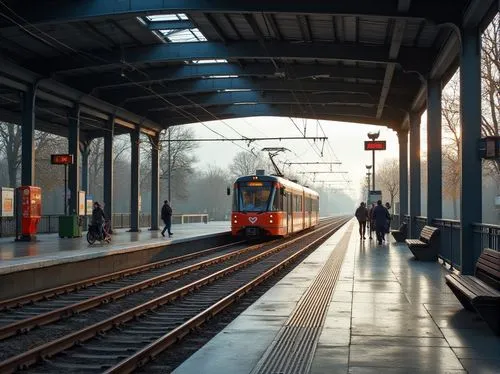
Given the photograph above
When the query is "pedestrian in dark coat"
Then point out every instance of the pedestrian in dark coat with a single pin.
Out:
(362, 216)
(370, 219)
(166, 216)
(380, 216)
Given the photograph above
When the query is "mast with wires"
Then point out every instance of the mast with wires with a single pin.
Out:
(273, 152)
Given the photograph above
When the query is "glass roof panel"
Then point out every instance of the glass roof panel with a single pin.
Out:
(166, 17)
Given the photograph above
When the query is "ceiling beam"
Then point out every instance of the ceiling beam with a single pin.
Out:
(397, 38)
(358, 115)
(216, 85)
(216, 27)
(304, 27)
(477, 11)
(109, 80)
(410, 58)
(63, 12)
(56, 89)
(227, 98)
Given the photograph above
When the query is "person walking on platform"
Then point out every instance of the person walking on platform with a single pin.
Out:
(380, 216)
(370, 220)
(166, 216)
(388, 224)
(362, 216)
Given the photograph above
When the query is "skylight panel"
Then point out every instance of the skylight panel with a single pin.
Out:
(184, 35)
(208, 61)
(166, 17)
(236, 90)
(222, 76)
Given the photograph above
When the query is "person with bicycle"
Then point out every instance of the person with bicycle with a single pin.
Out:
(98, 218)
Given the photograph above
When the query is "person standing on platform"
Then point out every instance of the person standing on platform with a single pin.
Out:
(166, 216)
(362, 216)
(380, 215)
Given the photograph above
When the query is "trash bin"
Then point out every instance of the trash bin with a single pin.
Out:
(70, 227)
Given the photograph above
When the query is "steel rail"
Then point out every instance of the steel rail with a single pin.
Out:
(28, 358)
(27, 324)
(141, 357)
(85, 283)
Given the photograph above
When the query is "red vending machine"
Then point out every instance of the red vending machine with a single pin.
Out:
(30, 198)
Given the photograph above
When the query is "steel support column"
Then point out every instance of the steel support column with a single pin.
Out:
(109, 171)
(85, 150)
(470, 108)
(403, 174)
(74, 149)
(28, 138)
(434, 163)
(415, 196)
(134, 180)
(155, 180)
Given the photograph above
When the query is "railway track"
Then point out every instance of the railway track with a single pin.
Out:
(128, 339)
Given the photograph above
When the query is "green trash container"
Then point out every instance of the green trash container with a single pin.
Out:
(70, 227)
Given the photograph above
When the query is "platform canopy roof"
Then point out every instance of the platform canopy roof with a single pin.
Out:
(158, 63)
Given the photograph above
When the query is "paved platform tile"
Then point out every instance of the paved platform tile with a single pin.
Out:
(427, 359)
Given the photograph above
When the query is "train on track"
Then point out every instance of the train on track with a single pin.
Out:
(271, 206)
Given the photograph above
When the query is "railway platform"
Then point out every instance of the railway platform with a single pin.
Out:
(378, 310)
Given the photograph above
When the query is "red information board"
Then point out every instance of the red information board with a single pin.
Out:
(375, 145)
(65, 159)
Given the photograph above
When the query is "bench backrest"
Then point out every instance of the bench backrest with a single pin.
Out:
(488, 268)
(427, 233)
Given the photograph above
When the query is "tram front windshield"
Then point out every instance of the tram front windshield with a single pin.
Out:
(254, 196)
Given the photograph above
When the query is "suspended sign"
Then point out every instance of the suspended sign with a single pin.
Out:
(489, 147)
(63, 159)
(375, 145)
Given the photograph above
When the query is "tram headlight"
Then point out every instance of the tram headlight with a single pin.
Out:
(235, 221)
(270, 221)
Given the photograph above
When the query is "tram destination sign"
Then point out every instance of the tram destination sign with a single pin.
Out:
(375, 145)
(61, 159)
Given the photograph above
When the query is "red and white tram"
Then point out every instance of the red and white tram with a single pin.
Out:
(265, 206)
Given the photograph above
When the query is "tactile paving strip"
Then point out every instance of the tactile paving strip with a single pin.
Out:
(293, 349)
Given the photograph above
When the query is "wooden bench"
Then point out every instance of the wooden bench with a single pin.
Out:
(481, 292)
(425, 248)
(401, 234)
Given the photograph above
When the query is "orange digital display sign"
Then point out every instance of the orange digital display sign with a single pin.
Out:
(61, 159)
(376, 145)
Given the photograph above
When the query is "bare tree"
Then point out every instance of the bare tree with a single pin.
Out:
(451, 142)
(10, 142)
(181, 160)
(388, 179)
(10, 147)
(490, 69)
(246, 163)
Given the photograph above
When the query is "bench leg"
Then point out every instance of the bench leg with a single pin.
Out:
(490, 312)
